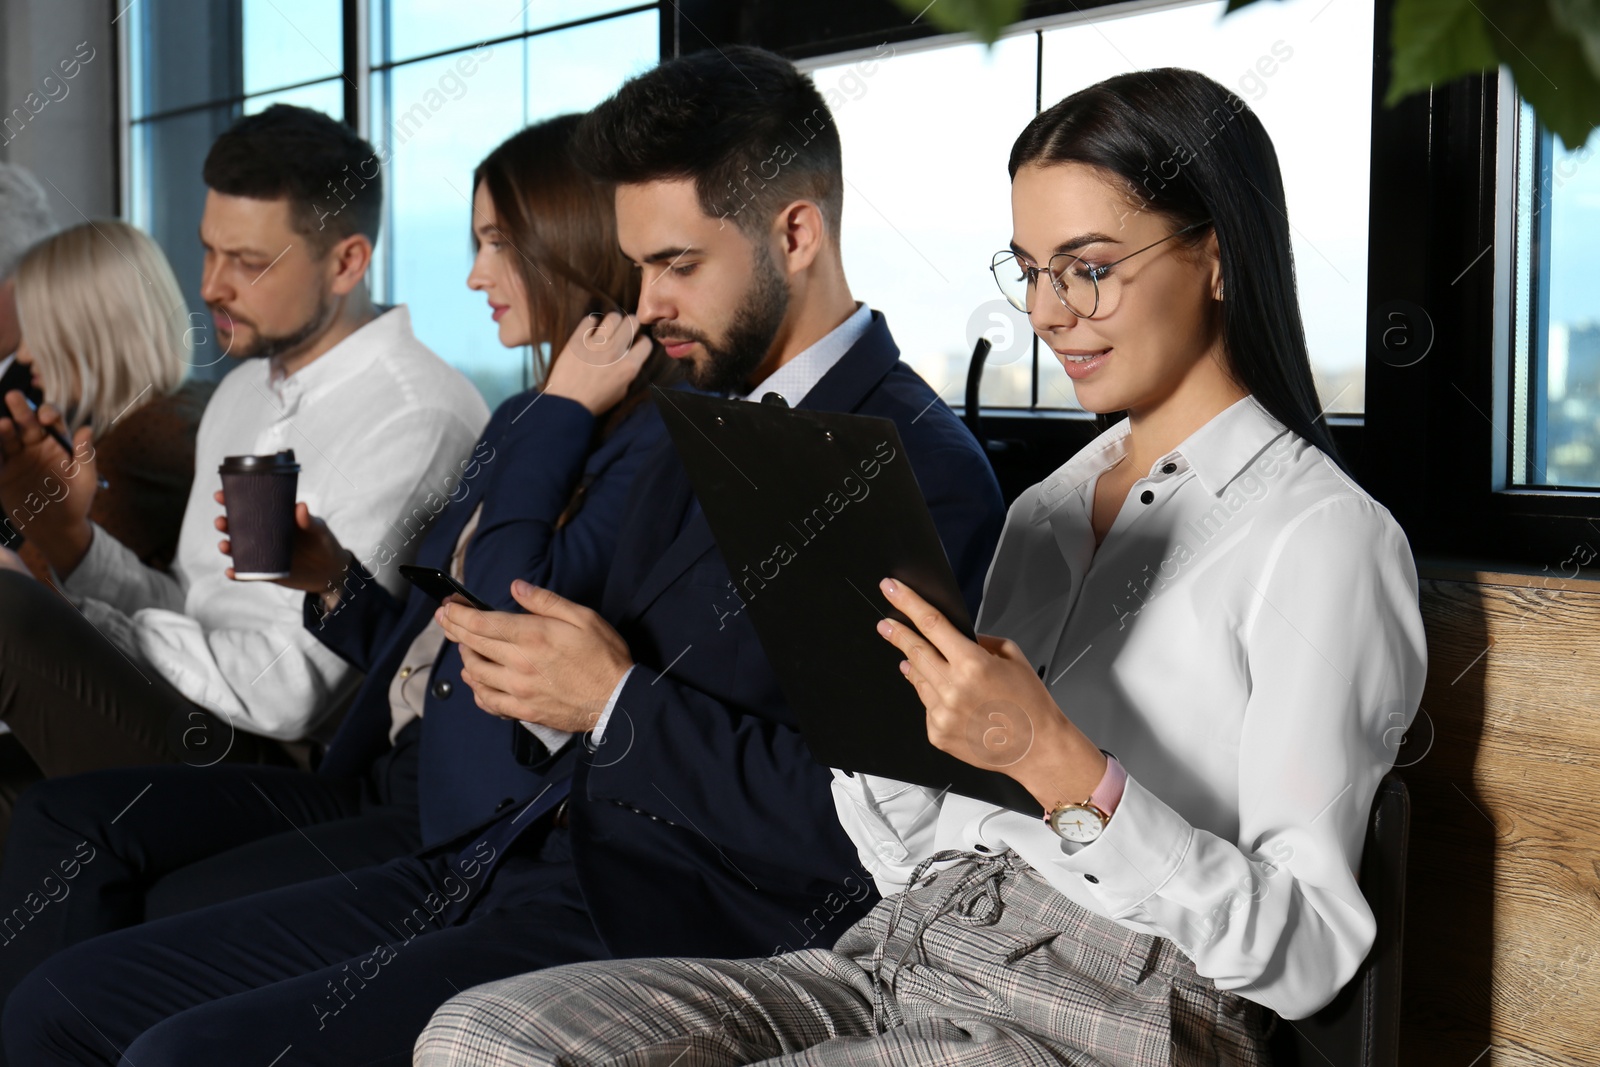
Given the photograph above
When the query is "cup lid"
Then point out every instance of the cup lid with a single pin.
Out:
(278, 463)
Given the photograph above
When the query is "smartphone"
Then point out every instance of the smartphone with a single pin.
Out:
(439, 585)
(19, 376)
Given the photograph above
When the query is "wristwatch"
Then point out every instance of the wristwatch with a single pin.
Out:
(1086, 821)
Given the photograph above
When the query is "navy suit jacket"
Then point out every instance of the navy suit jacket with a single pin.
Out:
(701, 825)
(534, 452)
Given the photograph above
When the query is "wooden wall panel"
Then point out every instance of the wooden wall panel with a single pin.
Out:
(1502, 952)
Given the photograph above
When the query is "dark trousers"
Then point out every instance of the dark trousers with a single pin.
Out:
(102, 851)
(344, 970)
(75, 702)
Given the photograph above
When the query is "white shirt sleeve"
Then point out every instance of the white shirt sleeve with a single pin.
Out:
(605, 714)
(892, 824)
(264, 670)
(110, 573)
(548, 736)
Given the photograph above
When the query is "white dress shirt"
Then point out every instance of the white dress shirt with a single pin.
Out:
(379, 425)
(1247, 641)
(792, 381)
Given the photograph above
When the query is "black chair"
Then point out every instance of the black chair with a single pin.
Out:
(974, 421)
(1361, 1027)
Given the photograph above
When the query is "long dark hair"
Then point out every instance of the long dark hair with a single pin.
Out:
(1189, 150)
(562, 225)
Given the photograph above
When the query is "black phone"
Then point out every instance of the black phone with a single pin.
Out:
(439, 585)
(14, 374)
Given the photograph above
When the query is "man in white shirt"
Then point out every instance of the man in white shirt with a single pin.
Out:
(144, 666)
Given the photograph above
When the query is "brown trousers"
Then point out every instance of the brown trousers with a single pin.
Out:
(75, 702)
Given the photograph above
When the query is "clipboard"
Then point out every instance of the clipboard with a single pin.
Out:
(810, 509)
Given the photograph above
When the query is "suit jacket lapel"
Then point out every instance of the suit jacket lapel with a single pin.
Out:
(637, 570)
(857, 373)
(846, 384)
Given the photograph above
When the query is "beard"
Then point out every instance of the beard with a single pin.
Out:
(267, 346)
(731, 361)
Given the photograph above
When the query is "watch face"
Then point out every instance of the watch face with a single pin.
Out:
(1074, 822)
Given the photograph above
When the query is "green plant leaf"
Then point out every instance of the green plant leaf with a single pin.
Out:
(1551, 64)
(1581, 18)
(1435, 41)
(1551, 46)
(984, 19)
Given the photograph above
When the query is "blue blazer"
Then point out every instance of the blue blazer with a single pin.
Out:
(534, 452)
(701, 825)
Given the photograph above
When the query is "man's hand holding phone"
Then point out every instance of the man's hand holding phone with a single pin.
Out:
(555, 666)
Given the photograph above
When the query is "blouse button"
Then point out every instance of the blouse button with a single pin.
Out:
(1146, 497)
(1168, 468)
(981, 848)
(1091, 878)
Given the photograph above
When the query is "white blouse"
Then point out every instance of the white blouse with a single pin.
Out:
(1247, 642)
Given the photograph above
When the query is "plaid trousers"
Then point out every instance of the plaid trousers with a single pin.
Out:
(981, 963)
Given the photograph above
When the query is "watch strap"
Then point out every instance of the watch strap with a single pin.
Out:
(1108, 794)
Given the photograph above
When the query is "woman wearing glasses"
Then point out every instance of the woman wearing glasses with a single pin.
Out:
(1203, 591)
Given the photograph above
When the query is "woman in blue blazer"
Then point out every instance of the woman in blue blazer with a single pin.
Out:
(539, 498)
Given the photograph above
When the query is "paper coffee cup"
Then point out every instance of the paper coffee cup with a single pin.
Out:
(260, 493)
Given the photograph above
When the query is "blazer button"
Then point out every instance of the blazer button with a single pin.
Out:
(1146, 497)
(504, 804)
(442, 689)
(1168, 468)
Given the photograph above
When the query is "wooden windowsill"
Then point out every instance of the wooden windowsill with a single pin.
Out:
(1553, 576)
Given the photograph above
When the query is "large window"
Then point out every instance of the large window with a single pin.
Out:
(446, 88)
(927, 133)
(193, 67)
(1555, 326)
(438, 84)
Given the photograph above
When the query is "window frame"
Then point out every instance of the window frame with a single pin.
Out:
(1451, 411)
(1442, 189)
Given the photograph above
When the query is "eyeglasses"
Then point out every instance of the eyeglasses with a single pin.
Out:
(1079, 286)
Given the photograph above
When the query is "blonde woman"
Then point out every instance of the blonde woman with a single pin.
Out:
(105, 330)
